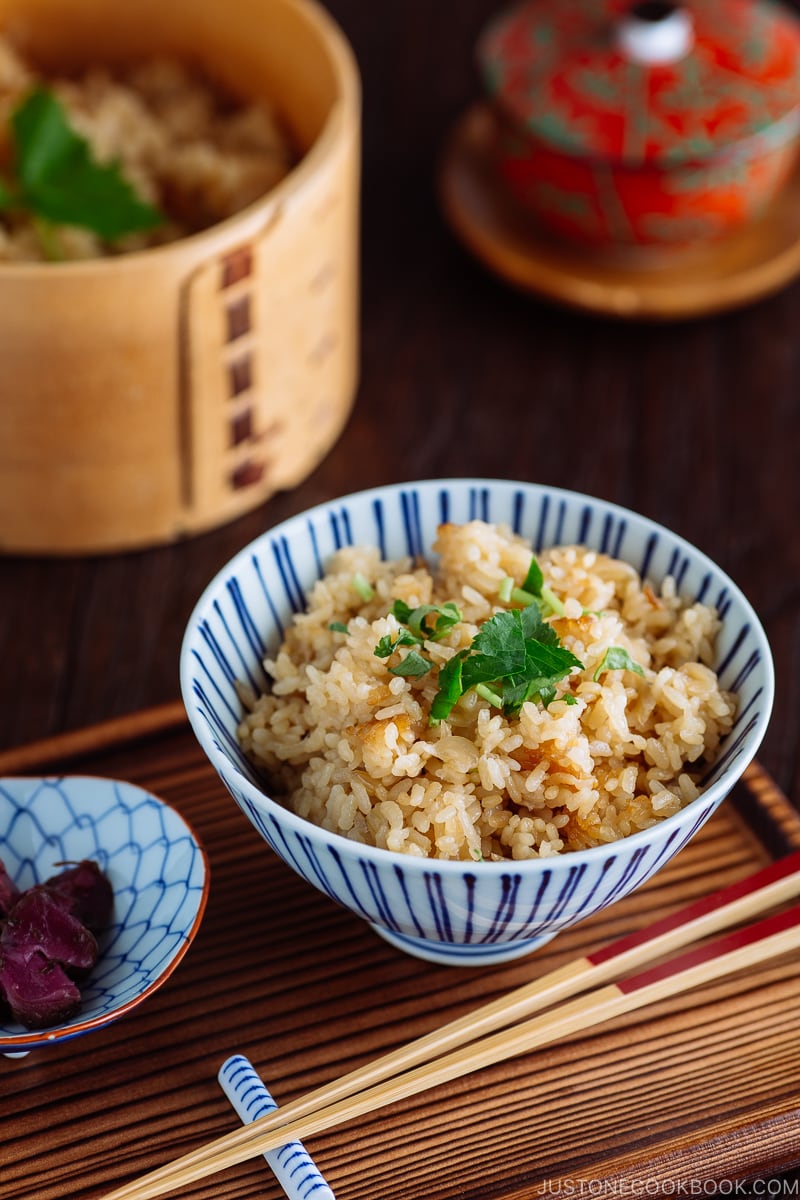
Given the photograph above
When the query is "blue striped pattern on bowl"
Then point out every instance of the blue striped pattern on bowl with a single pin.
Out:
(453, 912)
(153, 861)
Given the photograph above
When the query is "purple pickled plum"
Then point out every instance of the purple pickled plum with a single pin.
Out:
(9, 892)
(38, 923)
(37, 991)
(47, 942)
(85, 893)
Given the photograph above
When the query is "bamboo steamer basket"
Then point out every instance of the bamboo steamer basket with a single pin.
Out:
(158, 394)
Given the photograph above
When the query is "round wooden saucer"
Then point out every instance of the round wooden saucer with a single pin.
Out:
(660, 285)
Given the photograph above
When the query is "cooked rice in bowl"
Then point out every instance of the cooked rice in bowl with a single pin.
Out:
(351, 746)
(183, 143)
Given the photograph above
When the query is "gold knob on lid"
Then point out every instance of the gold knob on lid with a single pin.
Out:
(655, 32)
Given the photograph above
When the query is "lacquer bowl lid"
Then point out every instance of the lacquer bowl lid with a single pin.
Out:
(650, 83)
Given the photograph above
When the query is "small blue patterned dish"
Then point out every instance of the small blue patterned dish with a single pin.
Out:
(156, 867)
(460, 913)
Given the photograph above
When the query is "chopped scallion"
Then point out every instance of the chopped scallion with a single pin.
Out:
(487, 694)
(552, 601)
(363, 587)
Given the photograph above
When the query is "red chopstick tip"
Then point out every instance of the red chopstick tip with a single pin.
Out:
(782, 868)
(737, 940)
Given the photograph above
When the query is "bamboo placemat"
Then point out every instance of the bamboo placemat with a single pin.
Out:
(699, 1089)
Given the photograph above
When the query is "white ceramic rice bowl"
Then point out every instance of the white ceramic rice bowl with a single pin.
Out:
(460, 913)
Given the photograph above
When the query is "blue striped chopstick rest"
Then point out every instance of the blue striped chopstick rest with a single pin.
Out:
(291, 1164)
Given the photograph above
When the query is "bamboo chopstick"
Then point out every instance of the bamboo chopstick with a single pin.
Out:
(60, 748)
(372, 1086)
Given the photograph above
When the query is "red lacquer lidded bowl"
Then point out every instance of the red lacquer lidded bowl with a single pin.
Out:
(650, 124)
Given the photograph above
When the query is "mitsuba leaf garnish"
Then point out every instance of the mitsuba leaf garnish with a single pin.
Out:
(514, 657)
(616, 658)
(428, 622)
(388, 644)
(412, 665)
(59, 181)
(534, 580)
(338, 627)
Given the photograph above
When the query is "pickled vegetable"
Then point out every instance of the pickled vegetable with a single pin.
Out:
(48, 942)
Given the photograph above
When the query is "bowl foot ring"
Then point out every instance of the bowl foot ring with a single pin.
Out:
(452, 954)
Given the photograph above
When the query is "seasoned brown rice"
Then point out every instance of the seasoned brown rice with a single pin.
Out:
(349, 746)
(183, 144)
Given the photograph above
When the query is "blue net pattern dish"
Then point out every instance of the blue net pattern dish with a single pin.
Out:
(157, 869)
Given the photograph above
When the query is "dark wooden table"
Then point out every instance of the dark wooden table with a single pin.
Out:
(694, 424)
